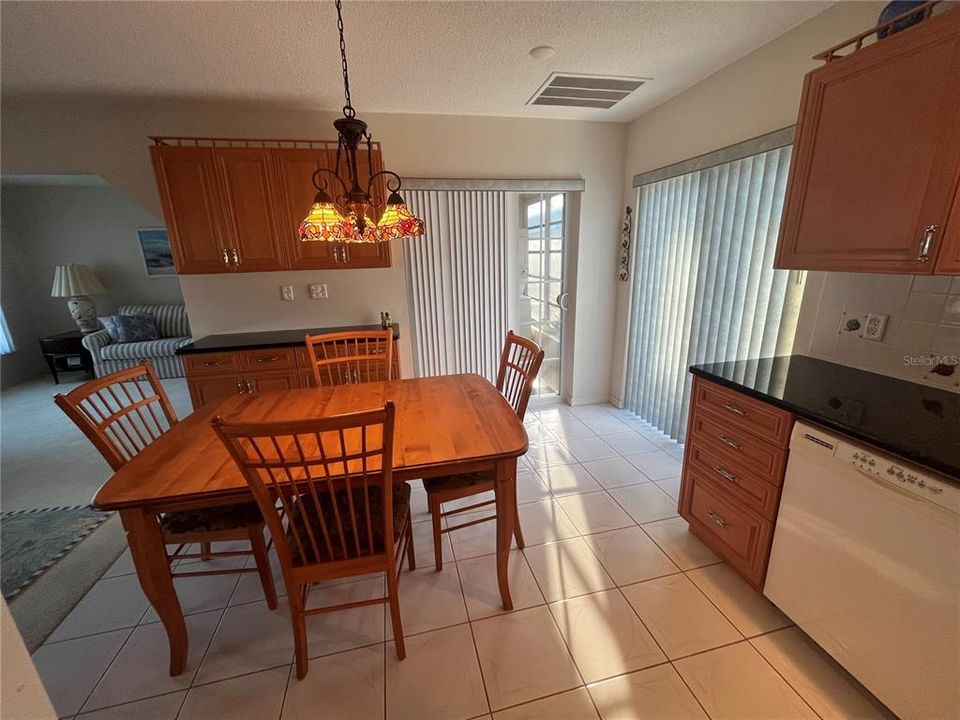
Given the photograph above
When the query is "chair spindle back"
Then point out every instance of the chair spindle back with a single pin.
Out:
(121, 413)
(519, 364)
(329, 477)
(351, 357)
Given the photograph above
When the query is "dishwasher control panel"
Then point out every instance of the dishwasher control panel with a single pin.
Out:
(890, 471)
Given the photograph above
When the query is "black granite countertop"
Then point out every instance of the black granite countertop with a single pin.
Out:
(916, 422)
(266, 339)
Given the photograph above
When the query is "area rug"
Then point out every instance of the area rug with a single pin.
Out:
(31, 541)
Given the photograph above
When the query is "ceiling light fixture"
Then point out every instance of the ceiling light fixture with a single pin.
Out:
(542, 52)
(346, 217)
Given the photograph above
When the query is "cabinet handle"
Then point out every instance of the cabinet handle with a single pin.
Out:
(726, 475)
(240, 386)
(346, 254)
(716, 518)
(925, 240)
(272, 358)
(212, 363)
(735, 409)
(251, 388)
(226, 257)
(730, 443)
(235, 256)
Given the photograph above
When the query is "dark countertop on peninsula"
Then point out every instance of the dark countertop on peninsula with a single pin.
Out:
(266, 339)
(916, 422)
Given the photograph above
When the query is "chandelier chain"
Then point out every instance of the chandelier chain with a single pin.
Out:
(348, 110)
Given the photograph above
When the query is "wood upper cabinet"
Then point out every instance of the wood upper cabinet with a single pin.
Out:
(249, 200)
(232, 209)
(294, 171)
(876, 159)
(188, 186)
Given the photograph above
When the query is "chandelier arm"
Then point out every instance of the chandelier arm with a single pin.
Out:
(320, 185)
(392, 177)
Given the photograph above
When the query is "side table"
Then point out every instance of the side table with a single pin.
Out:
(65, 352)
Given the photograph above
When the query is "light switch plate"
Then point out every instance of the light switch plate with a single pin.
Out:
(286, 293)
(318, 291)
(875, 326)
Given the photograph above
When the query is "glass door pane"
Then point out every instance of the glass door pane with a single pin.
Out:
(542, 232)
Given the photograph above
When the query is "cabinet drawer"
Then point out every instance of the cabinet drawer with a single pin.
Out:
(750, 453)
(303, 358)
(211, 363)
(737, 481)
(743, 412)
(281, 358)
(740, 536)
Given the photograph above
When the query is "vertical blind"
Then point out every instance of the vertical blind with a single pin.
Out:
(704, 287)
(457, 281)
(6, 341)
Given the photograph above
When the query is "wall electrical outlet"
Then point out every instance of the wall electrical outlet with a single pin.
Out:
(875, 326)
(286, 293)
(318, 291)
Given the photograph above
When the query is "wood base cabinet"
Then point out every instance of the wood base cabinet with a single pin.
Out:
(213, 376)
(734, 461)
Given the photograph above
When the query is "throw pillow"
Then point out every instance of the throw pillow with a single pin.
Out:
(136, 328)
(110, 325)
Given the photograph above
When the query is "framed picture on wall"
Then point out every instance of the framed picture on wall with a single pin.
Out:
(157, 255)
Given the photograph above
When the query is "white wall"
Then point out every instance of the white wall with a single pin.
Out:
(109, 139)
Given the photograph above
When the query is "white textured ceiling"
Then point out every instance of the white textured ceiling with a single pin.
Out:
(468, 57)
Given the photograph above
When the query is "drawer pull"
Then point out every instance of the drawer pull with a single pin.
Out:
(240, 386)
(272, 358)
(251, 388)
(726, 474)
(735, 409)
(212, 363)
(730, 443)
(716, 518)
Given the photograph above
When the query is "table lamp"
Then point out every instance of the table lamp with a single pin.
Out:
(78, 283)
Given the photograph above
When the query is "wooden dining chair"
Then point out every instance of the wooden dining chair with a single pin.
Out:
(346, 358)
(326, 488)
(124, 412)
(519, 364)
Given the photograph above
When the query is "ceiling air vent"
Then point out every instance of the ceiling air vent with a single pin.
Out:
(593, 91)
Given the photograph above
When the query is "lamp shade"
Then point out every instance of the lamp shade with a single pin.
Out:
(74, 280)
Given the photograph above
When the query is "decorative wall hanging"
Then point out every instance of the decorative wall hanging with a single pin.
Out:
(625, 235)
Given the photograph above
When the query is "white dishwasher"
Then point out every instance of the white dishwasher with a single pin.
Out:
(866, 560)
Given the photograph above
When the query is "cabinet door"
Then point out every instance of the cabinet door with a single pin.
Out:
(249, 202)
(212, 388)
(187, 183)
(948, 261)
(369, 255)
(294, 170)
(876, 154)
(270, 380)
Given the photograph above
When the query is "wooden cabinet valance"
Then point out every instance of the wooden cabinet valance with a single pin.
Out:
(875, 175)
(238, 209)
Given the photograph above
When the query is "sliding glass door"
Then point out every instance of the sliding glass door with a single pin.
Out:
(541, 302)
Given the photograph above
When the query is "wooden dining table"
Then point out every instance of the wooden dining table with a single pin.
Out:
(444, 425)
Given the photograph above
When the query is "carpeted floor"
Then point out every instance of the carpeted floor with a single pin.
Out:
(45, 461)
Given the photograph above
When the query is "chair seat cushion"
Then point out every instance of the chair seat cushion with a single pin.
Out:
(304, 511)
(164, 347)
(212, 519)
(458, 482)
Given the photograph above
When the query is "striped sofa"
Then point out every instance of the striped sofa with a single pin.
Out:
(109, 356)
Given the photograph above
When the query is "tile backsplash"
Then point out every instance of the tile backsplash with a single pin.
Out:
(921, 341)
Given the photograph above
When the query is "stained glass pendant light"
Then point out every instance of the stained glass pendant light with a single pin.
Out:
(346, 216)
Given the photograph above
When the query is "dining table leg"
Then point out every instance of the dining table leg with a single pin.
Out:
(149, 554)
(505, 492)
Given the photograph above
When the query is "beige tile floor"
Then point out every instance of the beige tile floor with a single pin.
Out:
(619, 613)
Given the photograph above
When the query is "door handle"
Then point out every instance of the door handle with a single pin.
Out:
(226, 257)
(925, 241)
(562, 300)
(235, 256)
(240, 386)
(251, 388)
